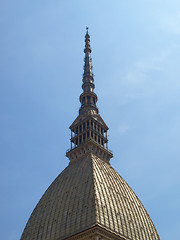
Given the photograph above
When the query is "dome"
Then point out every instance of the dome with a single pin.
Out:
(89, 200)
(89, 193)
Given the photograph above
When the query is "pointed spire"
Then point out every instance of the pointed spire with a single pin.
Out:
(88, 98)
(88, 131)
(87, 59)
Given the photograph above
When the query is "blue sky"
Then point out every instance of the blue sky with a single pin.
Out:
(136, 55)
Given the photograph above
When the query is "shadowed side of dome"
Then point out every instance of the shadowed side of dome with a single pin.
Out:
(118, 208)
(68, 205)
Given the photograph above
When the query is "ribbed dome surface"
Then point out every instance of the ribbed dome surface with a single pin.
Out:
(89, 192)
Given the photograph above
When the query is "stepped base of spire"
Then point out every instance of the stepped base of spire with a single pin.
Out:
(89, 147)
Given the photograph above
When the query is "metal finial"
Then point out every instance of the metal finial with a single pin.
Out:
(87, 28)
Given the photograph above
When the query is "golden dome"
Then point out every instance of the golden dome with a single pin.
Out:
(89, 193)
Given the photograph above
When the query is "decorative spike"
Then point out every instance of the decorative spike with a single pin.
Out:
(88, 98)
(87, 59)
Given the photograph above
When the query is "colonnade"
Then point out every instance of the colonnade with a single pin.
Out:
(86, 130)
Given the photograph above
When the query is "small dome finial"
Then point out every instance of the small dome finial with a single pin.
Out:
(87, 29)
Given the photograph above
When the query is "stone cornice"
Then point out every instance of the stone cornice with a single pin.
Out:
(89, 147)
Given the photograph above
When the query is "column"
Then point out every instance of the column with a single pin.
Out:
(71, 139)
(89, 128)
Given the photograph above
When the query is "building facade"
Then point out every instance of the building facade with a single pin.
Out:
(89, 199)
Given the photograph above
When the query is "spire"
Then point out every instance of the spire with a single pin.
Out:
(88, 98)
(87, 59)
(88, 131)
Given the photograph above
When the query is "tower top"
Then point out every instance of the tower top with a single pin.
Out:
(88, 131)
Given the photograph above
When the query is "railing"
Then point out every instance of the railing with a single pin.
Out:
(110, 151)
(80, 144)
(91, 128)
(88, 104)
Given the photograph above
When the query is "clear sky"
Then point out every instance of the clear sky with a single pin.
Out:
(136, 63)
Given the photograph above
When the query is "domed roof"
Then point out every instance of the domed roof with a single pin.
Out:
(88, 193)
